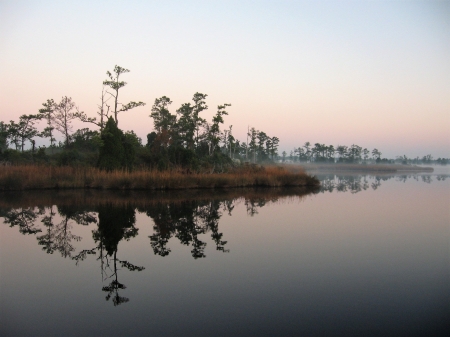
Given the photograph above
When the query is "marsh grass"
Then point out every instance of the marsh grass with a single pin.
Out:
(66, 177)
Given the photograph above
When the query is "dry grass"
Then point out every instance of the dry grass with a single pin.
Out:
(49, 177)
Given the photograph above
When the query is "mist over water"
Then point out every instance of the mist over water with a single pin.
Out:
(363, 255)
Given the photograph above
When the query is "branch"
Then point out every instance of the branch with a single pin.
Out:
(130, 106)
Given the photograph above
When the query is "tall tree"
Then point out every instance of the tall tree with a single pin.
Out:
(274, 147)
(252, 146)
(162, 118)
(190, 122)
(199, 106)
(307, 151)
(116, 84)
(213, 130)
(64, 113)
(48, 112)
(262, 139)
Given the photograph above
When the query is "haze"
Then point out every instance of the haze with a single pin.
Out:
(375, 74)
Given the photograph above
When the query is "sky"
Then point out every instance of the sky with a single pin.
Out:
(371, 73)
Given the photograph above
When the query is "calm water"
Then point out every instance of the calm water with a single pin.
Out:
(363, 256)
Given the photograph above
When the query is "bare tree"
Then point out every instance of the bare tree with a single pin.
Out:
(102, 112)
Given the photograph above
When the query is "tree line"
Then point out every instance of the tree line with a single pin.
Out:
(182, 139)
(321, 153)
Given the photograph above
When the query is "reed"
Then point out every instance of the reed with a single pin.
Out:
(49, 177)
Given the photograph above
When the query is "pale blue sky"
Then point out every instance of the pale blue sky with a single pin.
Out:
(371, 73)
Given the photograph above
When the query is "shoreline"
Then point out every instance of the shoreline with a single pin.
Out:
(33, 177)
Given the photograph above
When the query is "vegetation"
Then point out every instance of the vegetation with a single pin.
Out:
(354, 154)
(66, 177)
(184, 150)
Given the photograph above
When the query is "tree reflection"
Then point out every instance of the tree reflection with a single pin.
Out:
(194, 222)
(186, 220)
(357, 183)
(58, 236)
(115, 223)
(24, 218)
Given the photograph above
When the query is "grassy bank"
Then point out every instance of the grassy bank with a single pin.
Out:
(50, 177)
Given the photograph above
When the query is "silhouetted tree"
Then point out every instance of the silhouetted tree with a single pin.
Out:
(112, 153)
(116, 84)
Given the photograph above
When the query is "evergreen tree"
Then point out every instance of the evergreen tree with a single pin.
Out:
(112, 153)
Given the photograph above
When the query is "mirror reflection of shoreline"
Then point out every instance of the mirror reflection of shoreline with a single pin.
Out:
(357, 183)
(186, 219)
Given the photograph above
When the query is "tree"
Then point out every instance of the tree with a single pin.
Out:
(342, 152)
(376, 155)
(103, 114)
(115, 84)
(24, 130)
(199, 106)
(330, 153)
(213, 130)
(4, 135)
(354, 153)
(307, 151)
(162, 118)
(252, 146)
(48, 112)
(365, 154)
(64, 113)
(274, 147)
(262, 139)
(112, 153)
(190, 122)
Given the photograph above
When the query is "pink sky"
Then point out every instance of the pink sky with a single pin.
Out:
(375, 74)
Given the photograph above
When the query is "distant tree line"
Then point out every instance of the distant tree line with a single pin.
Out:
(321, 153)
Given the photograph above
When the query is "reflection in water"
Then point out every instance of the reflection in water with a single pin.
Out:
(24, 219)
(361, 182)
(375, 263)
(174, 218)
(58, 237)
(185, 219)
(115, 223)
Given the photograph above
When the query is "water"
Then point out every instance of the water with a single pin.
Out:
(364, 255)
